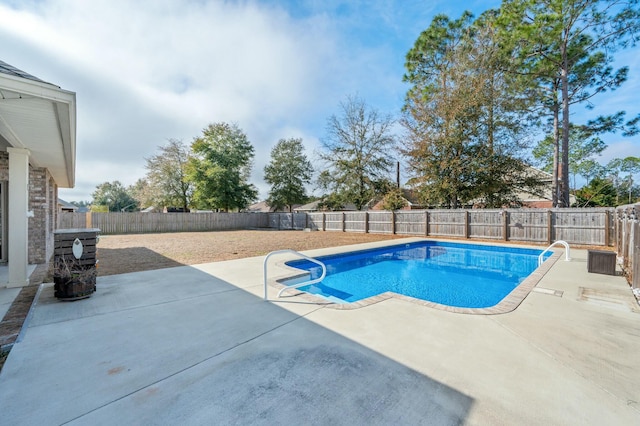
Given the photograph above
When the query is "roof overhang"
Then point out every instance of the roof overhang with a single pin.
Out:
(40, 117)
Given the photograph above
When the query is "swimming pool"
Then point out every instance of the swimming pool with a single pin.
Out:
(450, 274)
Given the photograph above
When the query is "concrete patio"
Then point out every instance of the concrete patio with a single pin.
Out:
(198, 345)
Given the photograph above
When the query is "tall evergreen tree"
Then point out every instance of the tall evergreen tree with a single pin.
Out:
(464, 120)
(567, 46)
(287, 173)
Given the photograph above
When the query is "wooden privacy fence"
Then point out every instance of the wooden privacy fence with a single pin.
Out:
(138, 223)
(628, 241)
(575, 226)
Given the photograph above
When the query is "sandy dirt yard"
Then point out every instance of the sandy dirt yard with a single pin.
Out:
(119, 254)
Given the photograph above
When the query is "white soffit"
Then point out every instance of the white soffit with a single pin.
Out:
(41, 118)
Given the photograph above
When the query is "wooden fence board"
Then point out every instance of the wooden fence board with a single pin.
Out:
(354, 221)
(380, 222)
(410, 223)
(486, 224)
(528, 225)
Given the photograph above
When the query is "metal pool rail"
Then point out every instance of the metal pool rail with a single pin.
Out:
(567, 256)
(317, 280)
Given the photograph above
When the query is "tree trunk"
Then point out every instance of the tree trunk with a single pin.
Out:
(556, 154)
(564, 195)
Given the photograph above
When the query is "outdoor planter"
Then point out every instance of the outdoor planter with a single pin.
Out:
(77, 284)
(74, 268)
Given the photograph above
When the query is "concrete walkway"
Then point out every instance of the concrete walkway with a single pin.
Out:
(198, 345)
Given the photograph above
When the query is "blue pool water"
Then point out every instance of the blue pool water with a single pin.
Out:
(461, 275)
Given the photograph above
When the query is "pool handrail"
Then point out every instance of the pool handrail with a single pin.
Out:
(567, 256)
(294, 286)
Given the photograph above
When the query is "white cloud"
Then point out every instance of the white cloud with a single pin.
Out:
(147, 71)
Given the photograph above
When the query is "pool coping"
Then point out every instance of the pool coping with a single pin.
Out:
(507, 304)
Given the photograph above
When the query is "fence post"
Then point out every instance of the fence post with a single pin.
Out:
(466, 223)
(324, 221)
(505, 225)
(426, 223)
(393, 222)
(635, 262)
(549, 226)
(344, 222)
(616, 230)
(607, 219)
(88, 220)
(366, 222)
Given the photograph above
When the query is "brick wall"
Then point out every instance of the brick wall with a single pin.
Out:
(43, 202)
(41, 225)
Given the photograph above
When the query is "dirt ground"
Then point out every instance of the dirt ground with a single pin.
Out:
(118, 254)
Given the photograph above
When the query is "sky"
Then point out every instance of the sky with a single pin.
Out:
(146, 71)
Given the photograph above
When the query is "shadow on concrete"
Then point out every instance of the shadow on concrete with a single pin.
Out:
(181, 346)
(131, 259)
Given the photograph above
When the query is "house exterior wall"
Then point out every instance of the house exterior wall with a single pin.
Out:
(42, 202)
(43, 195)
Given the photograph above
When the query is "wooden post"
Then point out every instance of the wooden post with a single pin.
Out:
(635, 262)
(607, 219)
(505, 225)
(344, 222)
(393, 223)
(426, 223)
(616, 231)
(466, 223)
(324, 221)
(366, 222)
(549, 226)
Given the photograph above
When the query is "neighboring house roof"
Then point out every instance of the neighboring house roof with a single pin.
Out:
(66, 205)
(260, 207)
(263, 207)
(40, 117)
(309, 207)
(314, 207)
